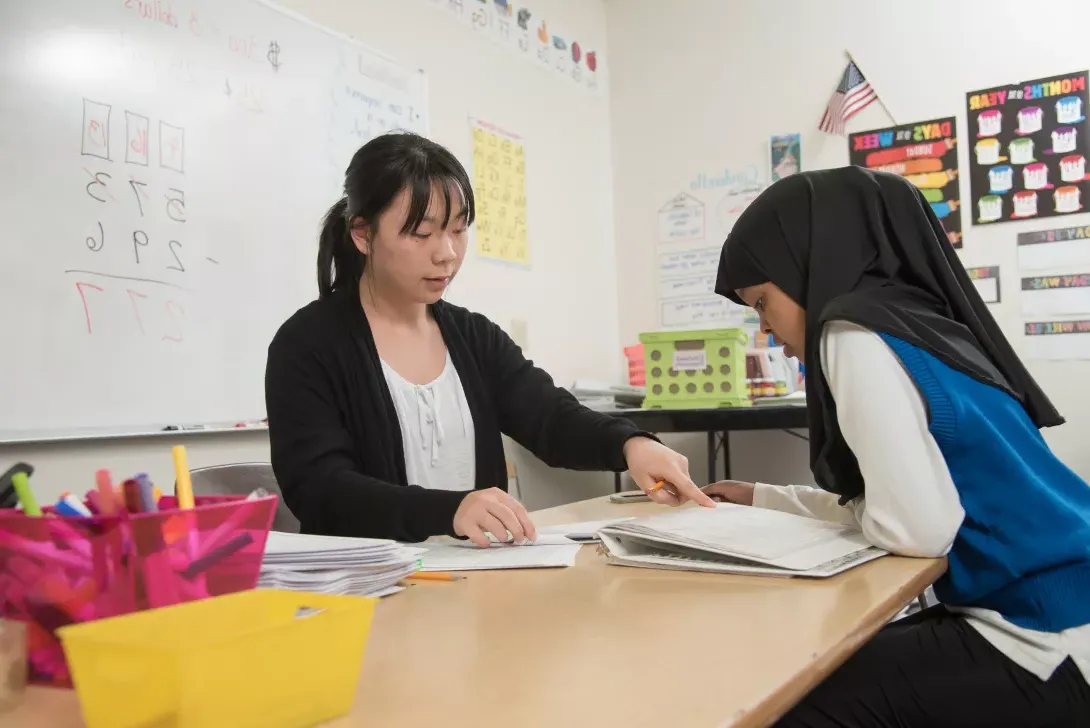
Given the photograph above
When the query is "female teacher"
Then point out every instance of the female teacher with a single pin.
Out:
(386, 403)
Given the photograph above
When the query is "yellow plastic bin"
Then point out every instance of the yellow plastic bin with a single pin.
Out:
(264, 658)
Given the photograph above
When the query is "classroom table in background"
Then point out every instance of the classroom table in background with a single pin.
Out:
(717, 423)
(600, 645)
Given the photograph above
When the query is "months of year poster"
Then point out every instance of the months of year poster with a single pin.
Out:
(1029, 149)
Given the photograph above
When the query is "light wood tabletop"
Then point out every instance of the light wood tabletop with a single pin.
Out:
(599, 645)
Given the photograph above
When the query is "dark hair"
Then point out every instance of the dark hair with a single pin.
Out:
(379, 170)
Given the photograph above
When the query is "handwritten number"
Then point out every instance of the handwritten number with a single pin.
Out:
(83, 297)
(96, 245)
(96, 181)
(137, 189)
(139, 240)
(176, 205)
(175, 312)
(133, 295)
(175, 246)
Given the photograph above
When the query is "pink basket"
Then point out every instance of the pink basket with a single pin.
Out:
(56, 571)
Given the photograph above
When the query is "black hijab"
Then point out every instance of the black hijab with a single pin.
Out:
(864, 247)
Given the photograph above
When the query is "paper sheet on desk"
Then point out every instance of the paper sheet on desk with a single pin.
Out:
(581, 528)
(548, 552)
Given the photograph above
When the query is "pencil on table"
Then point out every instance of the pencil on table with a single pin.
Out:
(435, 576)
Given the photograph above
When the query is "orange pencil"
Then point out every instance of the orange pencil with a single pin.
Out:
(435, 576)
(656, 486)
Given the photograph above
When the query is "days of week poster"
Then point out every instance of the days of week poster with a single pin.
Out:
(1030, 148)
(925, 153)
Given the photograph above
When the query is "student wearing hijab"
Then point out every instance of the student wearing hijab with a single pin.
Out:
(923, 433)
(386, 402)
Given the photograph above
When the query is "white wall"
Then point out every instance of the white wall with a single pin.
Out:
(700, 85)
(694, 86)
(568, 297)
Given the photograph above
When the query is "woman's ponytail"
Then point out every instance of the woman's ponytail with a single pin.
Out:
(340, 263)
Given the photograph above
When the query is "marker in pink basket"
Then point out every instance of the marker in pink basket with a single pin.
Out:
(107, 499)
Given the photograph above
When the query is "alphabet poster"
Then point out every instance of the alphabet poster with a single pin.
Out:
(1030, 149)
(925, 153)
(499, 183)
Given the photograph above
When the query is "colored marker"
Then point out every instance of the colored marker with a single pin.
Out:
(107, 500)
(69, 505)
(148, 502)
(183, 486)
(21, 483)
(130, 496)
(216, 555)
(92, 502)
(8, 497)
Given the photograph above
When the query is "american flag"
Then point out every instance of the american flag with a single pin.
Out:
(852, 96)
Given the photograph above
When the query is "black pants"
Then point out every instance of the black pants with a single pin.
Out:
(933, 670)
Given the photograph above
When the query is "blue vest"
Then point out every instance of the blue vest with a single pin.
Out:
(1023, 549)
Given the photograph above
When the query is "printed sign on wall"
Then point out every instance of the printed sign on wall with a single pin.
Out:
(1058, 340)
(925, 153)
(1029, 157)
(1056, 248)
(785, 156)
(986, 281)
(525, 32)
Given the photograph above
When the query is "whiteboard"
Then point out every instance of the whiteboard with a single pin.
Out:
(168, 167)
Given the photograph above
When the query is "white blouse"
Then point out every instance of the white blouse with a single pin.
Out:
(436, 429)
(912, 507)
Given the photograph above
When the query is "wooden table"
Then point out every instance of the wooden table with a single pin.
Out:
(599, 645)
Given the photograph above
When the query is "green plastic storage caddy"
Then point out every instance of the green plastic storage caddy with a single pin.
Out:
(695, 369)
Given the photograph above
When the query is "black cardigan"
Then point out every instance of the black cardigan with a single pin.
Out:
(336, 444)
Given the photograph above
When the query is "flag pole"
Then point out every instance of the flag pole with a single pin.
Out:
(876, 94)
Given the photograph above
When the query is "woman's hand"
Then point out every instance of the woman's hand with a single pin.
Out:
(731, 491)
(650, 461)
(493, 511)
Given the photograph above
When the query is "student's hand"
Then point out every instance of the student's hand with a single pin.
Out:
(650, 461)
(493, 511)
(731, 491)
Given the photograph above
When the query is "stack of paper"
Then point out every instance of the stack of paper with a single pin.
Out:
(739, 540)
(335, 565)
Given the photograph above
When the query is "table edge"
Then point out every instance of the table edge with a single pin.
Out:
(777, 703)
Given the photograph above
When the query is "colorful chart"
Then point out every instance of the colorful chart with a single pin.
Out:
(1030, 149)
(925, 153)
(499, 184)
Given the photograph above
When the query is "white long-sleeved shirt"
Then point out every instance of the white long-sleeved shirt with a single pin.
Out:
(911, 506)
